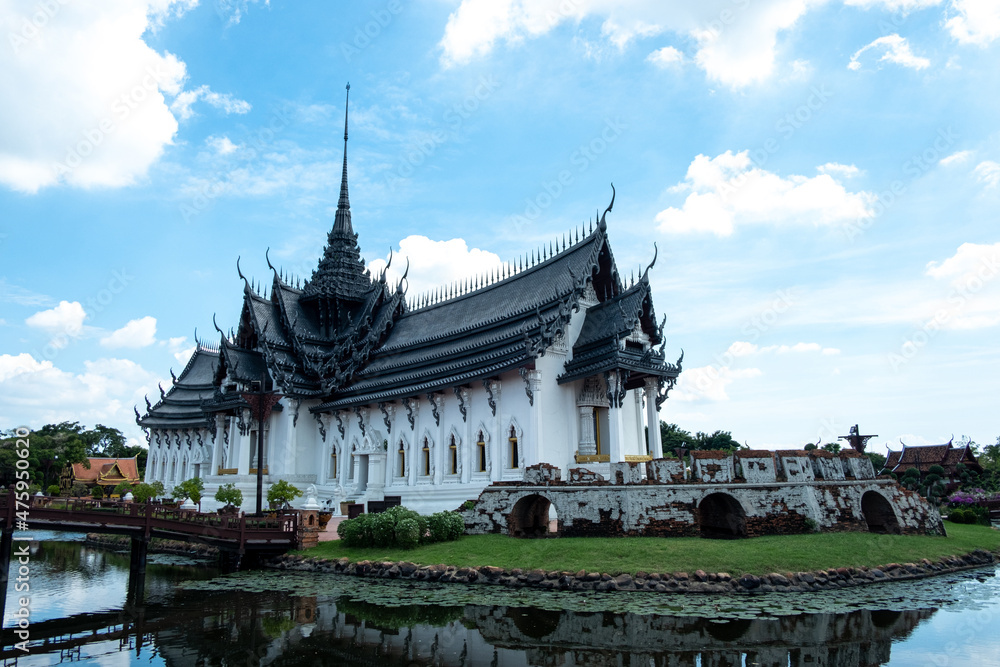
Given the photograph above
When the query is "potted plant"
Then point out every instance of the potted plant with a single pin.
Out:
(231, 497)
(190, 488)
(281, 494)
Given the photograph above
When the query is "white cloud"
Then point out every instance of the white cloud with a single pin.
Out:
(63, 322)
(436, 263)
(135, 334)
(729, 190)
(84, 94)
(968, 260)
(23, 363)
(736, 41)
(666, 57)
(36, 392)
(974, 298)
(988, 172)
(955, 158)
(221, 145)
(836, 169)
(976, 22)
(710, 382)
(893, 5)
(223, 101)
(897, 50)
(741, 348)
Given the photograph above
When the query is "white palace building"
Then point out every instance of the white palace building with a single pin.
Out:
(554, 358)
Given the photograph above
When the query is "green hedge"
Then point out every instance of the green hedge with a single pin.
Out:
(974, 514)
(400, 527)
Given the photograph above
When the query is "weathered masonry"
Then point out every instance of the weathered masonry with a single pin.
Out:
(746, 494)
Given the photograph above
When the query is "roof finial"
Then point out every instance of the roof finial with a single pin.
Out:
(603, 224)
(342, 221)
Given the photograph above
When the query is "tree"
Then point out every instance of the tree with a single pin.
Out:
(673, 437)
(281, 494)
(229, 495)
(878, 461)
(832, 447)
(122, 488)
(717, 440)
(143, 492)
(53, 449)
(190, 488)
(79, 490)
(106, 442)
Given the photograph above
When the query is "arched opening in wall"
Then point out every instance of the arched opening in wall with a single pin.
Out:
(878, 514)
(534, 623)
(530, 517)
(720, 516)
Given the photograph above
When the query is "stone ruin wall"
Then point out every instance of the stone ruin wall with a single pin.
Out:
(776, 492)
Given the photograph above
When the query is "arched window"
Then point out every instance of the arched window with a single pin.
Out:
(333, 462)
(514, 458)
(452, 456)
(401, 456)
(427, 457)
(481, 453)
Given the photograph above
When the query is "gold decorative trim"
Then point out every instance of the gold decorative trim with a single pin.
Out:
(593, 458)
(228, 471)
(253, 471)
(637, 458)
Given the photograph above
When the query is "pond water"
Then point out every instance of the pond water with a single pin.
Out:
(192, 615)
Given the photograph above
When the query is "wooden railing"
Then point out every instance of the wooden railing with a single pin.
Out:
(153, 520)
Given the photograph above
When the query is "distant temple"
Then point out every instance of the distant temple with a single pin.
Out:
(365, 392)
(107, 472)
(923, 457)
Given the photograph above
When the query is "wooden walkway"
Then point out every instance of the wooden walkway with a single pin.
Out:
(240, 534)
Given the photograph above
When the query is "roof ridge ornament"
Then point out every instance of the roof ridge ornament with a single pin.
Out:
(602, 224)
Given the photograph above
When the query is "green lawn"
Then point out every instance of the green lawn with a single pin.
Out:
(760, 555)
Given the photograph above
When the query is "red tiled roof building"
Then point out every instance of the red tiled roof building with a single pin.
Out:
(107, 472)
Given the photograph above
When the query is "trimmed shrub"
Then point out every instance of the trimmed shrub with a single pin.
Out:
(400, 527)
(79, 490)
(407, 533)
(97, 492)
(53, 490)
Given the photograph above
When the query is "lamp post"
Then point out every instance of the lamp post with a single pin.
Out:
(261, 401)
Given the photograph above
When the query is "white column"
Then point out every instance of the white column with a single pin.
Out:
(535, 430)
(242, 449)
(499, 440)
(588, 440)
(467, 453)
(440, 447)
(616, 436)
(653, 418)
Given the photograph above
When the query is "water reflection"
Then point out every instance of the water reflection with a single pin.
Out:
(346, 627)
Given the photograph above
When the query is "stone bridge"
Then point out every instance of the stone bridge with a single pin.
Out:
(746, 494)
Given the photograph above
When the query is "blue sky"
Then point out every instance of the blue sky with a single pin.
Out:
(821, 178)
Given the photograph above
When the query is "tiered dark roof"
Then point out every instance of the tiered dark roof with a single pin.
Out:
(923, 457)
(181, 405)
